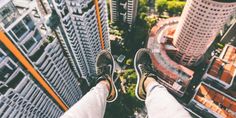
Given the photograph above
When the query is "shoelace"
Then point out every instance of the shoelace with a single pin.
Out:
(103, 69)
(146, 68)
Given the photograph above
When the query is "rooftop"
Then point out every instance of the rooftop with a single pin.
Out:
(222, 70)
(161, 47)
(175, 76)
(229, 54)
(169, 66)
(216, 101)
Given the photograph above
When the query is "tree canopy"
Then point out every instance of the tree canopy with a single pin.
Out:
(161, 6)
(173, 7)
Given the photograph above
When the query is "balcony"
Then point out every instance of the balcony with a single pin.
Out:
(53, 74)
(50, 71)
(3, 88)
(41, 60)
(44, 64)
(65, 12)
(7, 68)
(48, 67)
(22, 84)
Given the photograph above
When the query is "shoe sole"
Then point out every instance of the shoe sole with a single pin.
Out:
(113, 70)
(138, 77)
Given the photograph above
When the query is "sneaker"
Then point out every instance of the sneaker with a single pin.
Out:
(143, 67)
(105, 66)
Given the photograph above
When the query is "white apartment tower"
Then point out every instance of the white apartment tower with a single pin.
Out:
(36, 79)
(84, 27)
(200, 23)
(123, 11)
(132, 6)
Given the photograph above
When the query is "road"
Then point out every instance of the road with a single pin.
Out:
(151, 4)
(229, 36)
(117, 69)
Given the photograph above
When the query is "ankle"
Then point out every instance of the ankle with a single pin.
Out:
(148, 81)
(106, 83)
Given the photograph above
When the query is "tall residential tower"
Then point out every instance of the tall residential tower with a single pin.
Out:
(123, 11)
(84, 30)
(36, 78)
(199, 25)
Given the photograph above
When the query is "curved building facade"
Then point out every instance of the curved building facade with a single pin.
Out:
(200, 23)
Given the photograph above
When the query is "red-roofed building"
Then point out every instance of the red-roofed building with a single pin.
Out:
(171, 74)
(213, 102)
(229, 54)
(220, 72)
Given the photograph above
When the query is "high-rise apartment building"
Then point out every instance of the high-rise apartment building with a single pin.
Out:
(84, 31)
(36, 78)
(200, 23)
(20, 95)
(123, 11)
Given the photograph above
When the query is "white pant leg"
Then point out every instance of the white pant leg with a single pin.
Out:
(91, 105)
(161, 104)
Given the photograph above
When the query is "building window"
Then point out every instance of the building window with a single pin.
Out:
(2, 55)
(7, 69)
(37, 35)
(28, 21)
(58, 1)
(29, 43)
(19, 29)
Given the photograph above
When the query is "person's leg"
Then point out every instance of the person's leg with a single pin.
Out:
(159, 102)
(93, 104)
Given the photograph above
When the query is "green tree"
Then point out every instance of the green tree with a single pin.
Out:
(142, 15)
(142, 2)
(130, 99)
(131, 90)
(175, 7)
(142, 6)
(129, 62)
(151, 21)
(161, 6)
